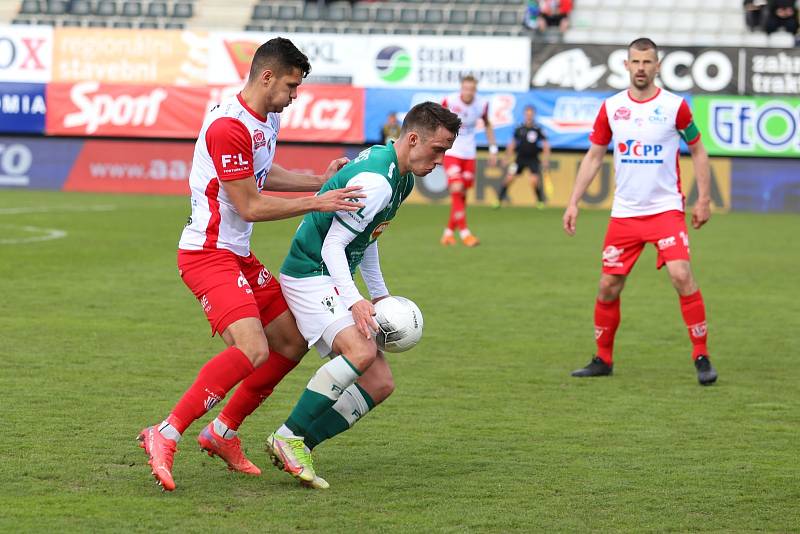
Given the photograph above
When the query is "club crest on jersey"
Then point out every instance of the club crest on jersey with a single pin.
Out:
(622, 114)
(259, 139)
(633, 151)
(263, 277)
(379, 230)
(658, 116)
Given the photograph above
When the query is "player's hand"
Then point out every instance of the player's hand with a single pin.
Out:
(570, 219)
(340, 199)
(363, 312)
(334, 167)
(701, 213)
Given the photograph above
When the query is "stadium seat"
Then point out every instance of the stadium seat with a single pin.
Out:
(287, 12)
(409, 15)
(172, 25)
(451, 31)
(80, 7)
(426, 31)
(148, 25)
(502, 33)
(56, 7)
(22, 21)
(402, 31)
(359, 14)
(131, 9)
(353, 29)
(183, 11)
(384, 14)
(312, 11)
(303, 28)
(457, 16)
(481, 16)
(338, 12)
(122, 24)
(277, 28)
(262, 12)
(157, 9)
(106, 8)
(97, 23)
(477, 32)
(253, 28)
(434, 16)
(71, 23)
(45, 22)
(29, 7)
(509, 18)
(607, 19)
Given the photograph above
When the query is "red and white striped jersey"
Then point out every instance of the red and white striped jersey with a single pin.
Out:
(464, 147)
(234, 143)
(646, 137)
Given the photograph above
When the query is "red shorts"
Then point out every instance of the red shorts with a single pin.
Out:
(626, 237)
(230, 287)
(459, 170)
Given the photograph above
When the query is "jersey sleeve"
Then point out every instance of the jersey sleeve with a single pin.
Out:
(231, 149)
(378, 194)
(601, 131)
(685, 124)
(541, 134)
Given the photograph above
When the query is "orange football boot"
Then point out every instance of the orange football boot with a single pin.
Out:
(230, 450)
(160, 452)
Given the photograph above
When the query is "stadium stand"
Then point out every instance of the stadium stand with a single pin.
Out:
(669, 22)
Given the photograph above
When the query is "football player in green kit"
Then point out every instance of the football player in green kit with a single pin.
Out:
(317, 283)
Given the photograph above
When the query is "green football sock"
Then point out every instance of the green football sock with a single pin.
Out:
(352, 405)
(322, 391)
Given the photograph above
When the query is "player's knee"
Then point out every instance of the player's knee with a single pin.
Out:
(609, 289)
(363, 355)
(384, 388)
(683, 281)
(256, 350)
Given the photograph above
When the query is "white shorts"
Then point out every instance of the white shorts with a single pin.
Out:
(318, 310)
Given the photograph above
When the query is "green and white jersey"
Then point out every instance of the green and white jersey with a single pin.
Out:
(376, 171)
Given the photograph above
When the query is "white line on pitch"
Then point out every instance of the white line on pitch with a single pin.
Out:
(46, 209)
(47, 234)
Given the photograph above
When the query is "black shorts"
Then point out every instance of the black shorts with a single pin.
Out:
(532, 164)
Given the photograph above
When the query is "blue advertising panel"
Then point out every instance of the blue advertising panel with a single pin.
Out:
(36, 163)
(765, 185)
(22, 108)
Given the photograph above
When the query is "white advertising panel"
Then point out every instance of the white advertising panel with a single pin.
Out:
(26, 54)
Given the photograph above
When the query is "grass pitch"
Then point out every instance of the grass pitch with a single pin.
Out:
(487, 432)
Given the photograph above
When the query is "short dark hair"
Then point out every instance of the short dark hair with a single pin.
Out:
(280, 55)
(428, 116)
(643, 43)
(469, 78)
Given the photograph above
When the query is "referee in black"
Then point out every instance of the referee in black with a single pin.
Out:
(528, 140)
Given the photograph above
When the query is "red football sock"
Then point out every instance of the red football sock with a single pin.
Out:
(458, 213)
(255, 388)
(213, 382)
(693, 310)
(606, 321)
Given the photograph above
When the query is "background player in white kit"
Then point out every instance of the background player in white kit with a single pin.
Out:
(233, 162)
(646, 124)
(459, 162)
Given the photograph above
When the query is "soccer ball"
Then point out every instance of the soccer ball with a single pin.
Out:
(399, 324)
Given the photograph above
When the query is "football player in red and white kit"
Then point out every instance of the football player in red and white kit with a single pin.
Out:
(233, 162)
(646, 124)
(459, 162)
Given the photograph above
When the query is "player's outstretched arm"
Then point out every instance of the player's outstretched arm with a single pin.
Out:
(586, 172)
(281, 179)
(702, 172)
(252, 206)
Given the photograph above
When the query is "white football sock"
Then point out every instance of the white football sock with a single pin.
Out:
(169, 431)
(222, 430)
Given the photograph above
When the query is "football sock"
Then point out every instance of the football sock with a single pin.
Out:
(214, 380)
(606, 321)
(353, 404)
(503, 193)
(539, 190)
(255, 388)
(169, 431)
(457, 211)
(464, 233)
(448, 232)
(693, 310)
(223, 430)
(322, 391)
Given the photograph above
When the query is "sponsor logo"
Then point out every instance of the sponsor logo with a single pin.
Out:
(259, 139)
(22, 104)
(330, 303)
(776, 73)
(95, 110)
(234, 159)
(25, 54)
(685, 238)
(211, 400)
(622, 114)
(393, 64)
(205, 303)
(310, 113)
(667, 242)
(570, 68)
(633, 151)
(264, 277)
(261, 178)
(598, 331)
(378, 230)
(699, 329)
(573, 114)
(750, 125)
(611, 256)
(658, 116)
(242, 282)
(15, 162)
